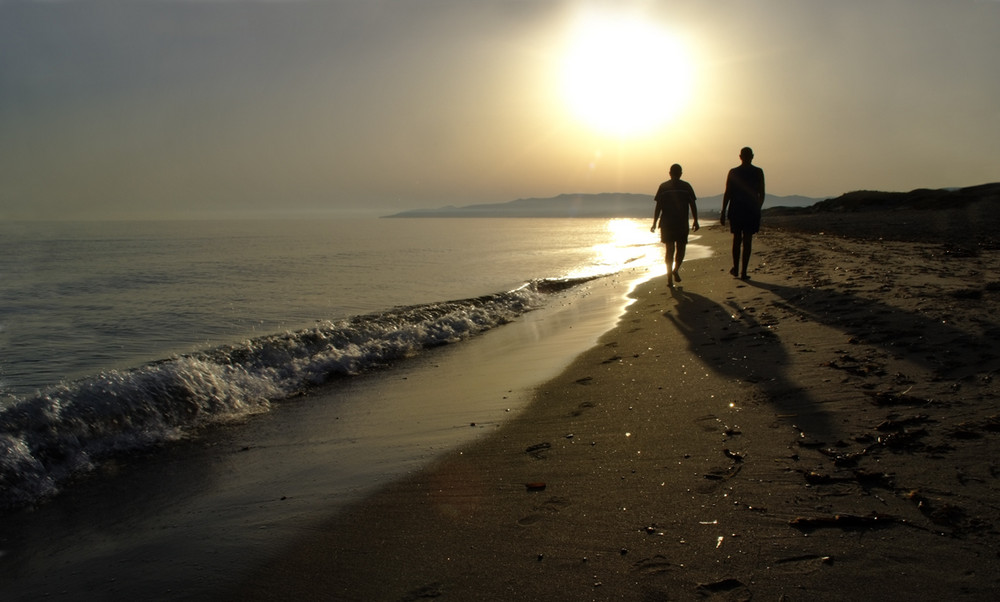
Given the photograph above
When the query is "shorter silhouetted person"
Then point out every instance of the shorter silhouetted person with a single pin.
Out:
(673, 199)
(744, 197)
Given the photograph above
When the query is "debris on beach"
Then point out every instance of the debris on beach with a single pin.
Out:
(537, 451)
(846, 522)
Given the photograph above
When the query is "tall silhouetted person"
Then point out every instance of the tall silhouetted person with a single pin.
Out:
(673, 198)
(744, 197)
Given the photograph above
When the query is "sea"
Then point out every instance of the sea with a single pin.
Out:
(159, 360)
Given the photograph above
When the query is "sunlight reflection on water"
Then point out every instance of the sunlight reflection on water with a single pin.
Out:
(632, 245)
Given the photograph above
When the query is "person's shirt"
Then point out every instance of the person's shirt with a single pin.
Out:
(673, 198)
(745, 184)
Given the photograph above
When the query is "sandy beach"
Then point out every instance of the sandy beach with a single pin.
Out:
(826, 431)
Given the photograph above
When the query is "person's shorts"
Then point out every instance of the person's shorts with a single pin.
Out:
(671, 232)
(744, 219)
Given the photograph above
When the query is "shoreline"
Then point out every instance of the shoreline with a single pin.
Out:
(224, 501)
(826, 430)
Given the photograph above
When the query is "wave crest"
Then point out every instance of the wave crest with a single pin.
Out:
(69, 429)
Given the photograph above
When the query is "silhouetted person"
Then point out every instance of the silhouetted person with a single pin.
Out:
(744, 197)
(673, 198)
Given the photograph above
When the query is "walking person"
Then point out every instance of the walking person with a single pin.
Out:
(673, 199)
(744, 197)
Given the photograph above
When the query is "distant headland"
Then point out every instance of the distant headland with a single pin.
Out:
(620, 204)
(963, 219)
(608, 204)
(921, 198)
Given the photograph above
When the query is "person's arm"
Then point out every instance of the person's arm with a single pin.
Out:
(760, 197)
(725, 200)
(656, 217)
(693, 203)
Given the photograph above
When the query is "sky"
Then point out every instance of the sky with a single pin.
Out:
(136, 109)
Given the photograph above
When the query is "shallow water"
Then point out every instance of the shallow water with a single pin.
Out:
(81, 297)
(189, 517)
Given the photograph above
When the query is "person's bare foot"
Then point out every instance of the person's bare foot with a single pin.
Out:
(677, 275)
(734, 272)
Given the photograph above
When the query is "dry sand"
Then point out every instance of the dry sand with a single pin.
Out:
(827, 431)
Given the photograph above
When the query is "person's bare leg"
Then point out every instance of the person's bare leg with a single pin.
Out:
(679, 259)
(737, 244)
(670, 264)
(747, 247)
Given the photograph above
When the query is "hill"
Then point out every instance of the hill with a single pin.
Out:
(921, 198)
(610, 204)
(919, 215)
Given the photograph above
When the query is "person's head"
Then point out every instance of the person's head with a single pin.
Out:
(675, 171)
(746, 154)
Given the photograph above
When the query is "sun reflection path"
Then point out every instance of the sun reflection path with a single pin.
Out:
(632, 246)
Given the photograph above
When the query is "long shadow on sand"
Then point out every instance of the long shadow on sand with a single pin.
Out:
(742, 346)
(926, 340)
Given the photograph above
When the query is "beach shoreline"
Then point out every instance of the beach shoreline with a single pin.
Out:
(202, 510)
(825, 431)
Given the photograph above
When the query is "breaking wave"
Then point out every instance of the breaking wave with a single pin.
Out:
(67, 430)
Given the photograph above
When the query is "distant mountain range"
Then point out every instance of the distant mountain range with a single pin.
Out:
(609, 204)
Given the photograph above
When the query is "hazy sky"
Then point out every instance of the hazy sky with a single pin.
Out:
(296, 107)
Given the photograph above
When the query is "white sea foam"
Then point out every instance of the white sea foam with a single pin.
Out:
(69, 429)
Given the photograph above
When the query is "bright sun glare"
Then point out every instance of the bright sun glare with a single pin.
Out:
(624, 75)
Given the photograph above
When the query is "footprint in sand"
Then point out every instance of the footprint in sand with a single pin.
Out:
(728, 589)
(709, 423)
(652, 566)
(529, 520)
(551, 506)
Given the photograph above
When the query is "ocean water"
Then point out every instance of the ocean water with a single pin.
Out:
(120, 336)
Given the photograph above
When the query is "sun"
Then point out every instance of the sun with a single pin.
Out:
(624, 75)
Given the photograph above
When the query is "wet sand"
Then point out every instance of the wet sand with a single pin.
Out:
(828, 430)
